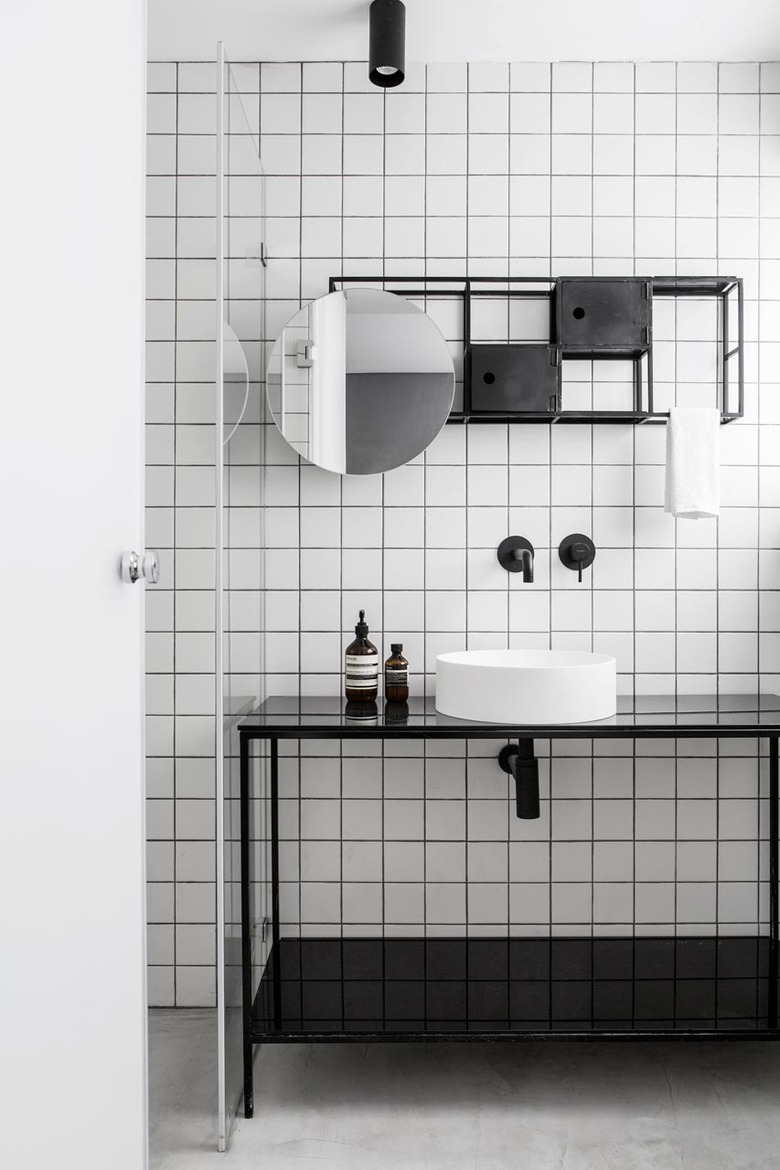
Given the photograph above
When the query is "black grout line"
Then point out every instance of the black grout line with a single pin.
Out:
(299, 648)
(676, 547)
(759, 448)
(717, 579)
(174, 529)
(591, 430)
(634, 590)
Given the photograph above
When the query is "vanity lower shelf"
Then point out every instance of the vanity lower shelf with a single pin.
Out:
(370, 989)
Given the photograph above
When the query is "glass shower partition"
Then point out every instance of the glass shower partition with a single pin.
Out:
(239, 537)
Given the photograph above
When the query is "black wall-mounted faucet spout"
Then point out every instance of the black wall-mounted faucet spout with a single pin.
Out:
(516, 555)
(527, 559)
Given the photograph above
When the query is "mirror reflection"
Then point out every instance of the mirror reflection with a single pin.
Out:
(360, 381)
(235, 382)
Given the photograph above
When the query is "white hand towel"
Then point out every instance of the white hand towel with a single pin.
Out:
(693, 463)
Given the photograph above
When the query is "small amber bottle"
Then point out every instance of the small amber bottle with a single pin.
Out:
(361, 673)
(396, 675)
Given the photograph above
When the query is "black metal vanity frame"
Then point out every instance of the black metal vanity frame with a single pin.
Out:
(723, 289)
(684, 717)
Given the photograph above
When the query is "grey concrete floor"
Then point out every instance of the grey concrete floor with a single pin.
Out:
(573, 1106)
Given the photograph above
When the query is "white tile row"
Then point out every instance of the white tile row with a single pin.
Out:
(477, 77)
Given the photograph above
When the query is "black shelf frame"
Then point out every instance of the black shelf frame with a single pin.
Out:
(278, 720)
(725, 289)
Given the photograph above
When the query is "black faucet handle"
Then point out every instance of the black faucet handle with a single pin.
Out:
(577, 552)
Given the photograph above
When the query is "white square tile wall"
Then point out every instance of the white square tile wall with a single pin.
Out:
(181, 331)
(521, 169)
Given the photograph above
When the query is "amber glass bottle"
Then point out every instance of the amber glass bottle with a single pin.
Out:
(396, 675)
(361, 674)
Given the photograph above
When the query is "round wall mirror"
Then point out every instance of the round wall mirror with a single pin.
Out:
(360, 381)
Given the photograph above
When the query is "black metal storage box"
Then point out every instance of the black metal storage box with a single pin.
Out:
(521, 378)
(603, 318)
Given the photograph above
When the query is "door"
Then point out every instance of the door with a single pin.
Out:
(72, 978)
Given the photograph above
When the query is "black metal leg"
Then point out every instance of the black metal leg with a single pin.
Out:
(774, 873)
(276, 951)
(246, 929)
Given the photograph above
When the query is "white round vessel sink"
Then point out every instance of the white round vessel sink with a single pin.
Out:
(526, 686)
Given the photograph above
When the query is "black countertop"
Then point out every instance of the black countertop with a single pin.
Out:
(641, 716)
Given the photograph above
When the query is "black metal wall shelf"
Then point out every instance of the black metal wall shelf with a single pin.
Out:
(593, 318)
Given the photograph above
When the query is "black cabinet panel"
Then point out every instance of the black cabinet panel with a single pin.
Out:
(515, 378)
(593, 315)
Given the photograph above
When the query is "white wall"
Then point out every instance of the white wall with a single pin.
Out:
(72, 995)
(523, 169)
(458, 30)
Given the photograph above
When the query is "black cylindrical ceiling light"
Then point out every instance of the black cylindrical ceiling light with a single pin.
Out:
(387, 43)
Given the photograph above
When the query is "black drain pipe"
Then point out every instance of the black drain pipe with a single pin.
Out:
(521, 763)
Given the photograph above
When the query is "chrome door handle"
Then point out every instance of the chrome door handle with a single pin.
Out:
(133, 567)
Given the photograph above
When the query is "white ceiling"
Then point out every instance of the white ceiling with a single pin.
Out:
(471, 30)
